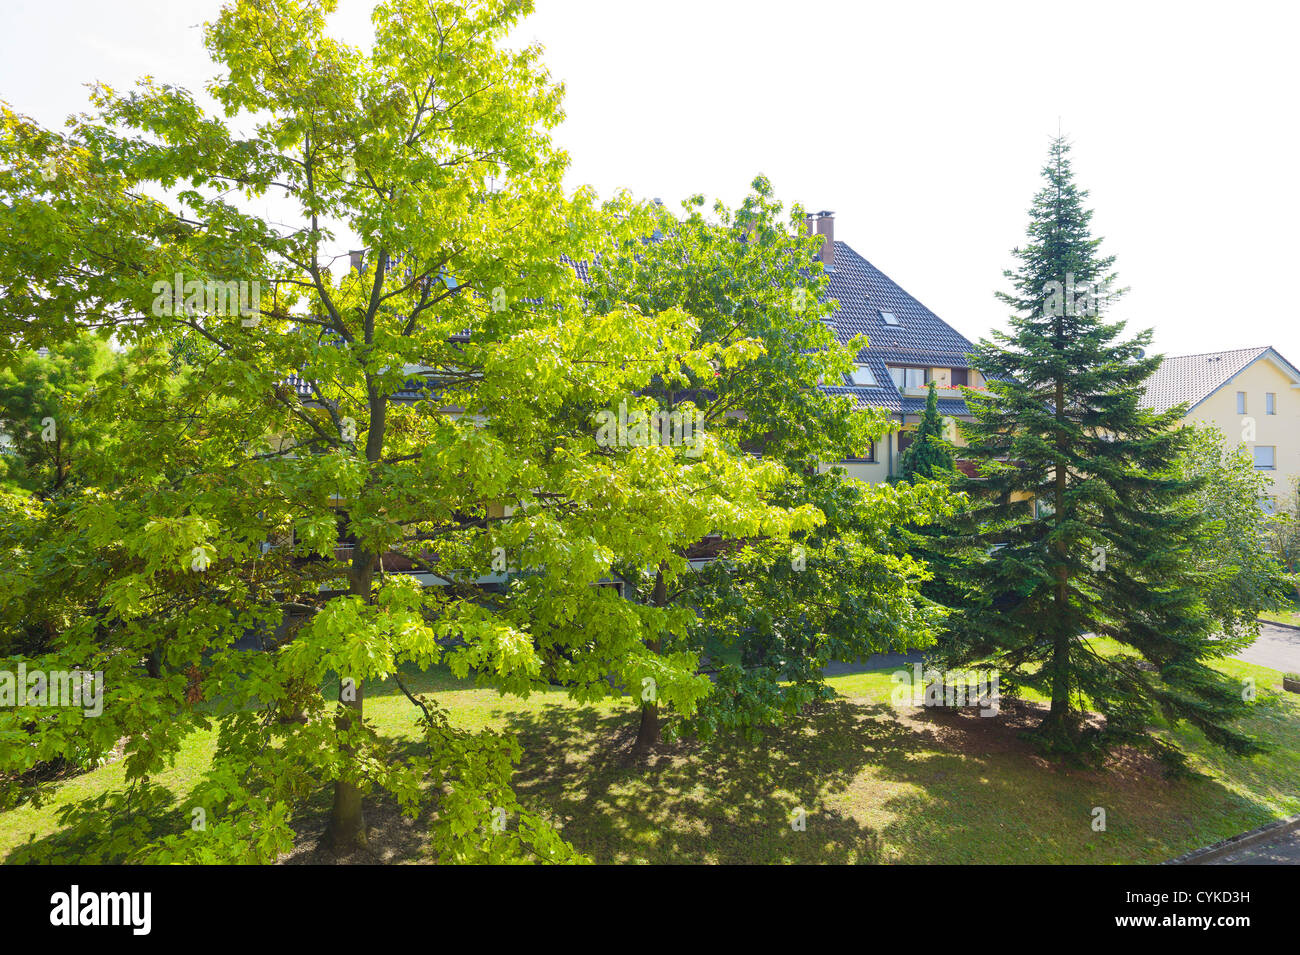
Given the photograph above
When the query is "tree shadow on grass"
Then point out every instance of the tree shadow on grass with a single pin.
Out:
(725, 800)
(878, 784)
(392, 836)
(997, 799)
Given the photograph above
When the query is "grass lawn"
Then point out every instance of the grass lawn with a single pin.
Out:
(1284, 616)
(878, 784)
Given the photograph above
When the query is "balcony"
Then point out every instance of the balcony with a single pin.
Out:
(924, 390)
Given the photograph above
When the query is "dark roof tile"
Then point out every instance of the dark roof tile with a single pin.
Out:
(861, 292)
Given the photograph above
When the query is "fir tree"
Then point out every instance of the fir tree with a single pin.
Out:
(1081, 524)
(929, 455)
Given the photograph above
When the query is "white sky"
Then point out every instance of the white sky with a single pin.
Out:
(922, 125)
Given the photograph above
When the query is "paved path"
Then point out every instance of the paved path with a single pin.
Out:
(1284, 850)
(1277, 647)
(877, 661)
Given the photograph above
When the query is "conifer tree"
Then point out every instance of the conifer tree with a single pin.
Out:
(929, 455)
(1083, 525)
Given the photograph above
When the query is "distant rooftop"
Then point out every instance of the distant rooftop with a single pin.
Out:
(1190, 379)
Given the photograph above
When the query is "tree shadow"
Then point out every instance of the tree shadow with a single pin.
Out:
(724, 800)
(995, 798)
(877, 784)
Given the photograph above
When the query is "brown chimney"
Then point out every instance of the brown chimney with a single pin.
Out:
(826, 229)
(356, 260)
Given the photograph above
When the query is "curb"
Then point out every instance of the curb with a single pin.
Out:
(1228, 846)
(1274, 623)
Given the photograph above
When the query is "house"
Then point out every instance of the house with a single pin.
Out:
(1252, 395)
(908, 347)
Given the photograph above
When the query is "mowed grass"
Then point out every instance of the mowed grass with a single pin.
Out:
(1290, 617)
(875, 784)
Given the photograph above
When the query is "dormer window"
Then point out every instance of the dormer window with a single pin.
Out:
(861, 375)
(907, 377)
(888, 318)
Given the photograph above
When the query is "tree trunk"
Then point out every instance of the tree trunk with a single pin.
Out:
(346, 831)
(1057, 722)
(647, 734)
(347, 827)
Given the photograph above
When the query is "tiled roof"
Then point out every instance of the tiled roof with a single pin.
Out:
(299, 384)
(1192, 378)
(581, 266)
(889, 399)
(862, 292)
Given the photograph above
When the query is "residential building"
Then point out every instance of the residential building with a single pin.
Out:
(1252, 395)
(908, 347)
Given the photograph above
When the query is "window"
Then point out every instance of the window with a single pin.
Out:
(862, 375)
(1241, 402)
(346, 541)
(888, 318)
(1265, 457)
(1270, 403)
(866, 457)
(960, 376)
(1268, 505)
(907, 377)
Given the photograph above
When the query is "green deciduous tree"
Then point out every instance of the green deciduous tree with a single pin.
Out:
(1246, 574)
(1284, 534)
(1083, 522)
(282, 450)
(771, 612)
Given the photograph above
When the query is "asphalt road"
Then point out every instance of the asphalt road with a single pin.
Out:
(1277, 647)
(1284, 850)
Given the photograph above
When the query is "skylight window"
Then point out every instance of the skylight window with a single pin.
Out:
(888, 318)
(862, 376)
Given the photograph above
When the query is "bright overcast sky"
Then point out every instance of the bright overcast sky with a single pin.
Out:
(921, 125)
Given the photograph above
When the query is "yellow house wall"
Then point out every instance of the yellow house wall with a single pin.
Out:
(1282, 430)
(876, 472)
